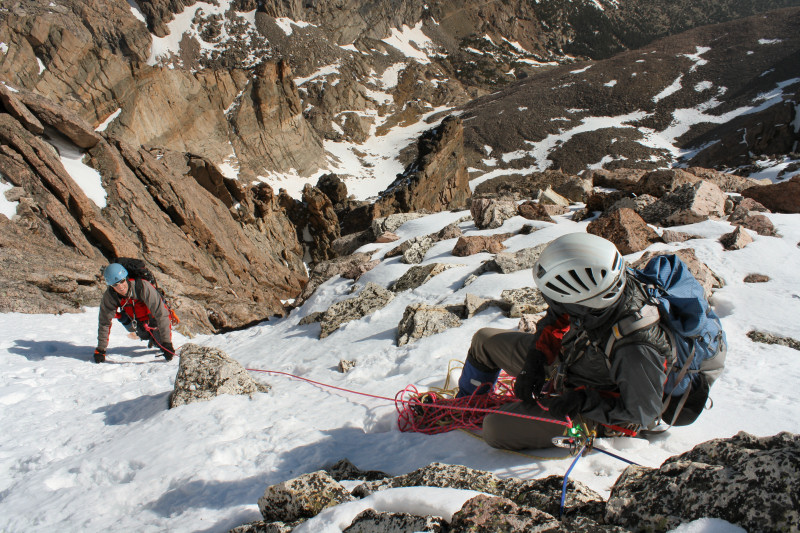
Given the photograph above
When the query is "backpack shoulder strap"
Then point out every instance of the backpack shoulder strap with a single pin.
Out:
(643, 318)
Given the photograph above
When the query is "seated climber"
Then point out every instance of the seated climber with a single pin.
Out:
(562, 369)
(138, 306)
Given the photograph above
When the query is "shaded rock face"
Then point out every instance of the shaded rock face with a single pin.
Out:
(225, 255)
(780, 197)
(207, 372)
(531, 110)
(93, 52)
(437, 180)
(748, 481)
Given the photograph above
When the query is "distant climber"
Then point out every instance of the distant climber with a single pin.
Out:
(138, 306)
(570, 367)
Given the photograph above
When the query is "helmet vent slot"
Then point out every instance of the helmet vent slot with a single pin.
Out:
(591, 275)
(565, 282)
(556, 289)
(577, 279)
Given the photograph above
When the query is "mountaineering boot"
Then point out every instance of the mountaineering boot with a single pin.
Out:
(475, 379)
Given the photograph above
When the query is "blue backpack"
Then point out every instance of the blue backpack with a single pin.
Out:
(699, 345)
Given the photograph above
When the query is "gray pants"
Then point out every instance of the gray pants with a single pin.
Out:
(507, 349)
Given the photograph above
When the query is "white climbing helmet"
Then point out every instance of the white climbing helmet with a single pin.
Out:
(581, 268)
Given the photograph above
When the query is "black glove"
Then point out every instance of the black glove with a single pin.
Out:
(167, 351)
(99, 355)
(530, 381)
(568, 404)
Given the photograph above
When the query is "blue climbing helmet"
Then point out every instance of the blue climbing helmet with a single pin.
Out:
(114, 273)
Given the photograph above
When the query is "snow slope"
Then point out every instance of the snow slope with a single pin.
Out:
(89, 447)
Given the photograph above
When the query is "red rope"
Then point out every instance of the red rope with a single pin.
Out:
(440, 414)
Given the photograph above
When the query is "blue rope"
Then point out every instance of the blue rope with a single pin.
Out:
(566, 478)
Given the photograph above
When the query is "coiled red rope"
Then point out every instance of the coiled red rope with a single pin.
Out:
(431, 413)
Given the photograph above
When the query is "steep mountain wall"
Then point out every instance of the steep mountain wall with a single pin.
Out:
(225, 254)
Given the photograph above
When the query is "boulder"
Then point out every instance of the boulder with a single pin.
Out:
(749, 213)
(415, 249)
(737, 239)
(551, 197)
(371, 298)
(418, 275)
(756, 278)
(749, 481)
(724, 180)
(637, 203)
(392, 223)
(543, 494)
(489, 514)
(659, 182)
(333, 187)
(474, 244)
(507, 262)
(371, 521)
(524, 301)
(344, 469)
(779, 197)
(534, 211)
(301, 498)
(475, 304)
(624, 179)
(687, 204)
(206, 372)
(625, 229)
(530, 186)
(669, 235)
(421, 320)
(491, 214)
(772, 338)
(387, 237)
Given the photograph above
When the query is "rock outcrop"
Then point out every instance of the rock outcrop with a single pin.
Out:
(421, 320)
(746, 480)
(225, 254)
(371, 298)
(206, 372)
(436, 181)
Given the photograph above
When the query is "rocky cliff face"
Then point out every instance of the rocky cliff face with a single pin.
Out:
(171, 99)
(225, 254)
